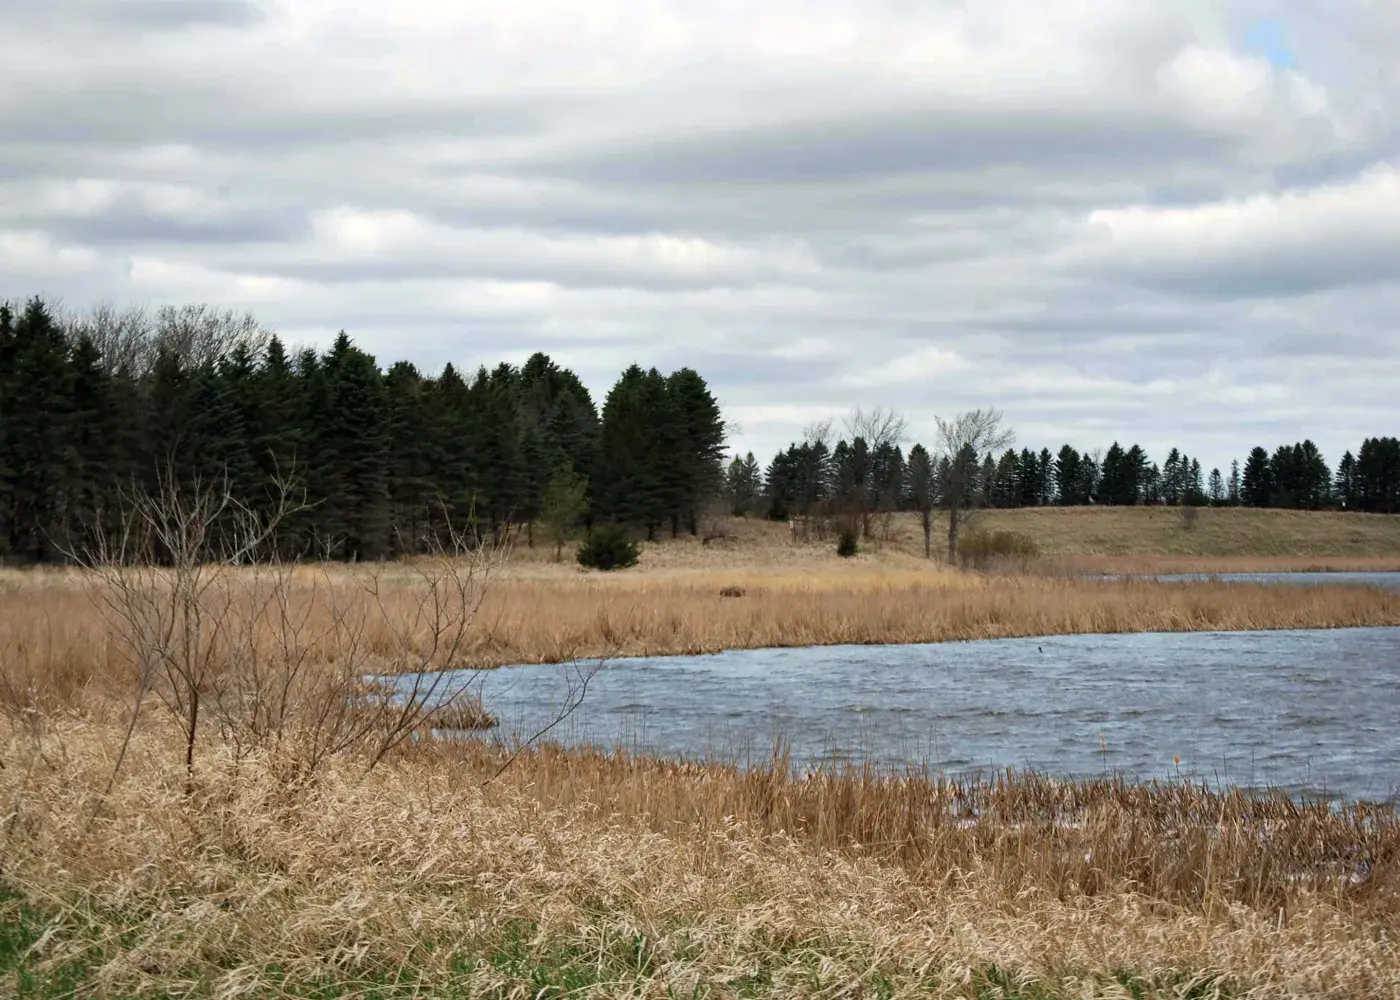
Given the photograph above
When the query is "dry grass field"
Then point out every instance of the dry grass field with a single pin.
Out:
(1227, 539)
(270, 870)
(585, 875)
(1165, 540)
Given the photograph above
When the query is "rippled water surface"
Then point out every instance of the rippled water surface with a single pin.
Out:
(1315, 711)
(1386, 581)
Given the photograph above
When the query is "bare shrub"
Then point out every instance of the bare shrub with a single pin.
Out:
(162, 580)
(318, 659)
(985, 549)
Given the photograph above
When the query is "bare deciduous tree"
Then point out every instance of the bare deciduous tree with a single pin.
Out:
(160, 579)
(879, 427)
(131, 339)
(315, 659)
(962, 441)
(882, 430)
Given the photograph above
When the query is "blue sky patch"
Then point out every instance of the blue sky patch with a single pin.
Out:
(1268, 37)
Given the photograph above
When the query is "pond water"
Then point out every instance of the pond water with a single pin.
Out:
(1314, 712)
(1386, 581)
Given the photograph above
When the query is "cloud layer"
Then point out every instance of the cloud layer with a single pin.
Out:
(1111, 219)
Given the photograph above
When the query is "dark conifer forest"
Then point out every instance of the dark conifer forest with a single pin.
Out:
(96, 406)
(814, 476)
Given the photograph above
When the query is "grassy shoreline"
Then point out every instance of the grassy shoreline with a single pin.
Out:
(606, 875)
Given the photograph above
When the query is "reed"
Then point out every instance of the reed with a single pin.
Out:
(56, 646)
(610, 875)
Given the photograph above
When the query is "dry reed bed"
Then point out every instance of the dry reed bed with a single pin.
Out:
(542, 621)
(54, 640)
(672, 878)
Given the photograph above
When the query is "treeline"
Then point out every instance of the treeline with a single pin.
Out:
(94, 406)
(814, 477)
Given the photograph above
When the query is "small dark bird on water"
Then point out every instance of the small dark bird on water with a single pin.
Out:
(1039, 650)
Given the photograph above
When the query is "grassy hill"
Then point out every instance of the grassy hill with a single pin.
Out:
(1225, 531)
(1110, 539)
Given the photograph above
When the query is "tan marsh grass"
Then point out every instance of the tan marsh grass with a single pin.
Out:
(55, 643)
(630, 877)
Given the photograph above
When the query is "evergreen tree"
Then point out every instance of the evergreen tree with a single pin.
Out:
(565, 503)
(1217, 487)
(1235, 489)
(167, 447)
(780, 485)
(1344, 487)
(1173, 479)
(1027, 479)
(639, 431)
(1378, 475)
(1257, 486)
(1045, 478)
(1068, 477)
(921, 492)
(40, 460)
(452, 429)
(410, 485)
(742, 485)
(353, 445)
(1150, 485)
(697, 460)
(1005, 481)
(1111, 480)
(99, 443)
(1195, 491)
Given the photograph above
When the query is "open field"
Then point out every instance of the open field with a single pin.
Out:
(1225, 539)
(1086, 539)
(583, 875)
(1100, 539)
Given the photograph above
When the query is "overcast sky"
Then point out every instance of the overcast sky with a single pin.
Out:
(1170, 223)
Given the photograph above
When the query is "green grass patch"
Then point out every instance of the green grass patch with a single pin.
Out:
(513, 959)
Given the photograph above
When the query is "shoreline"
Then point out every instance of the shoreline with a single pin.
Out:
(1027, 637)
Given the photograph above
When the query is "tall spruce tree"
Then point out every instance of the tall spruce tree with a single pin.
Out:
(1344, 486)
(700, 449)
(1257, 486)
(40, 459)
(742, 485)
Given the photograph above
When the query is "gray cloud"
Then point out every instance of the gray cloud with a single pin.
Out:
(135, 15)
(1114, 224)
(210, 117)
(916, 141)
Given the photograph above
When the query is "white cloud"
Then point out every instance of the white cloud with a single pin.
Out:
(1294, 241)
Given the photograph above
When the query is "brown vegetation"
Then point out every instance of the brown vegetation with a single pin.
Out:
(454, 868)
(1248, 538)
(1090, 539)
(56, 641)
(633, 877)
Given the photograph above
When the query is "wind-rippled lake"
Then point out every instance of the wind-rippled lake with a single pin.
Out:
(1315, 712)
(1385, 581)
